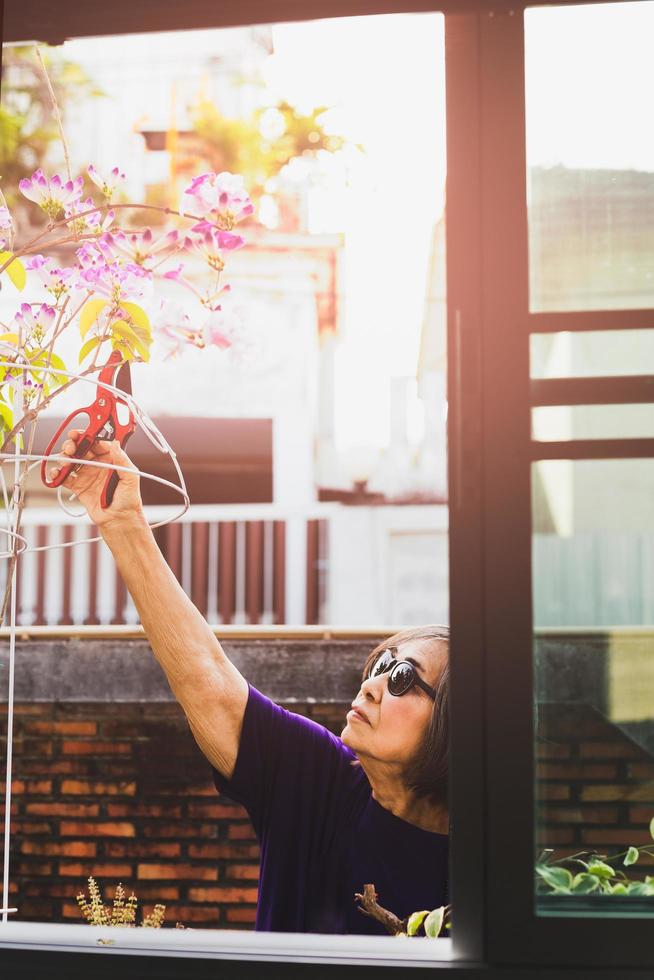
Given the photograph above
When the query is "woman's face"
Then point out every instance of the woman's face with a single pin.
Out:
(392, 729)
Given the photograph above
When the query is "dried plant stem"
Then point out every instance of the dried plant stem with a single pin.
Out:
(55, 109)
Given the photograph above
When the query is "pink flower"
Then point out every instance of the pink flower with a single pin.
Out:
(56, 280)
(6, 225)
(141, 246)
(109, 184)
(216, 330)
(221, 198)
(210, 245)
(29, 321)
(53, 195)
(114, 280)
(97, 222)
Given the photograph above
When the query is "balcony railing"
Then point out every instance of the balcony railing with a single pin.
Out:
(250, 564)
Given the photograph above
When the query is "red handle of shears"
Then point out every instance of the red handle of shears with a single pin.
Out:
(105, 410)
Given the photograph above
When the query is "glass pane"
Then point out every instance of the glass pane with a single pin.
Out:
(592, 353)
(590, 158)
(311, 433)
(564, 422)
(593, 594)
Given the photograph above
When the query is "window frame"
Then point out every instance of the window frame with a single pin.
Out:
(490, 398)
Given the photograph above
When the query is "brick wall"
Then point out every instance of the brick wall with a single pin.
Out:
(595, 785)
(123, 793)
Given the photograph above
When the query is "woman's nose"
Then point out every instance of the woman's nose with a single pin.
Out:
(373, 687)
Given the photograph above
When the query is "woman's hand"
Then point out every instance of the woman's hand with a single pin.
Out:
(88, 482)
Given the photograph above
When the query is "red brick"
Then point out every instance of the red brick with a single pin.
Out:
(33, 747)
(63, 809)
(609, 750)
(106, 870)
(203, 789)
(17, 786)
(220, 851)
(249, 872)
(96, 748)
(549, 836)
(223, 893)
(190, 913)
(622, 838)
(603, 792)
(71, 910)
(76, 787)
(27, 827)
(58, 849)
(61, 727)
(32, 868)
(552, 750)
(58, 767)
(241, 831)
(181, 829)
(216, 811)
(641, 815)
(103, 829)
(576, 770)
(640, 770)
(241, 915)
(143, 810)
(552, 791)
(191, 872)
(581, 815)
(57, 889)
(160, 849)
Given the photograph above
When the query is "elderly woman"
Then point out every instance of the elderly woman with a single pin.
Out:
(331, 814)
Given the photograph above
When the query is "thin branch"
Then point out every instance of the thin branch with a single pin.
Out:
(55, 109)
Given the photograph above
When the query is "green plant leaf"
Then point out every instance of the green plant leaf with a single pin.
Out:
(651, 828)
(584, 883)
(639, 888)
(619, 889)
(15, 271)
(90, 313)
(6, 417)
(121, 331)
(415, 921)
(559, 878)
(90, 345)
(138, 315)
(631, 856)
(434, 922)
(601, 869)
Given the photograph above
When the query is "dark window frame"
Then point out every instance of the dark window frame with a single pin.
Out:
(490, 398)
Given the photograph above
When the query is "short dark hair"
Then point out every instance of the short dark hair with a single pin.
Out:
(427, 774)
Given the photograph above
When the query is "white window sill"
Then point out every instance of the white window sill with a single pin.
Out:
(228, 944)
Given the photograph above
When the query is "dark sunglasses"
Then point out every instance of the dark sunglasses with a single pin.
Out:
(402, 677)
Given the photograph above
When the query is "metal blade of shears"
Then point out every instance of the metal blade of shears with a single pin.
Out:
(124, 378)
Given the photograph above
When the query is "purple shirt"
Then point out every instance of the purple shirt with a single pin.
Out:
(322, 835)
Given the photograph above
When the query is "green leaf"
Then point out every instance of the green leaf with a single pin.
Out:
(584, 884)
(415, 921)
(601, 869)
(632, 856)
(640, 888)
(6, 417)
(90, 313)
(138, 316)
(651, 828)
(90, 345)
(15, 271)
(57, 362)
(10, 338)
(434, 922)
(555, 877)
(121, 331)
(619, 889)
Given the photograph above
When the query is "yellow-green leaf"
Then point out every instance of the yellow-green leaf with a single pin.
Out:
(124, 332)
(415, 921)
(10, 338)
(125, 350)
(138, 315)
(15, 270)
(90, 345)
(90, 313)
(6, 417)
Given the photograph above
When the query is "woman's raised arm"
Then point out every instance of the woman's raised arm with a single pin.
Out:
(209, 688)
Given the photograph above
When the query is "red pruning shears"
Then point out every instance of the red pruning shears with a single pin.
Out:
(110, 417)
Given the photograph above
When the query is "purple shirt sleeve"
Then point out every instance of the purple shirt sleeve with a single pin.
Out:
(288, 766)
